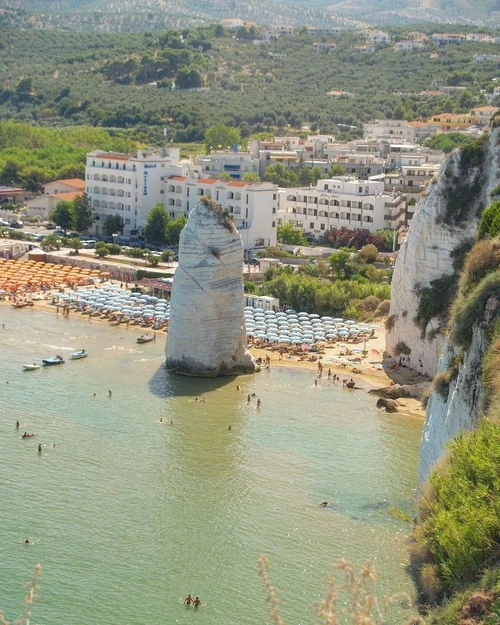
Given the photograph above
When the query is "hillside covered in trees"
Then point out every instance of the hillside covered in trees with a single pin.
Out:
(122, 16)
(187, 81)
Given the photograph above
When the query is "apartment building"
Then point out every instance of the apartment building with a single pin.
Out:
(390, 130)
(343, 202)
(126, 185)
(252, 205)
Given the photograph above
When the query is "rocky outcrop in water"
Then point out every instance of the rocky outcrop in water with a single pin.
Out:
(206, 335)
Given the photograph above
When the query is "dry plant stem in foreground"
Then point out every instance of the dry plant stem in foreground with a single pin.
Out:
(349, 599)
(33, 594)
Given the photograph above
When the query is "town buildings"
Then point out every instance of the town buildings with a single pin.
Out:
(343, 202)
(129, 186)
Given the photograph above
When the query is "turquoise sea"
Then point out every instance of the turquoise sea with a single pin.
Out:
(128, 514)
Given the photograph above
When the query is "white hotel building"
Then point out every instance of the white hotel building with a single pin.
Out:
(343, 202)
(129, 186)
(253, 205)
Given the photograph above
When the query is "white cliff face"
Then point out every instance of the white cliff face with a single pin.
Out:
(425, 256)
(206, 331)
(447, 416)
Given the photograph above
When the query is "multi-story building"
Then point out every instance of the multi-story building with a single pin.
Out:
(343, 202)
(233, 163)
(129, 186)
(252, 205)
(390, 130)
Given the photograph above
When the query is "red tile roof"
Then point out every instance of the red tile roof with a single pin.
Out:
(65, 197)
(74, 182)
(237, 183)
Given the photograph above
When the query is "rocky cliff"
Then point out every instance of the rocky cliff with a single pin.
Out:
(458, 398)
(206, 335)
(425, 273)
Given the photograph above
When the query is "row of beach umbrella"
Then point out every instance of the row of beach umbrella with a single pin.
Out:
(300, 327)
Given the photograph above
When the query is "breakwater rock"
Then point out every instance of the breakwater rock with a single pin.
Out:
(206, 335)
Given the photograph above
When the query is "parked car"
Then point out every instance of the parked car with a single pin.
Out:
(253, 261)
(72, 235)
(50, 226)
(59, 232)
(3, 222)
(16, 224)
(89, 244)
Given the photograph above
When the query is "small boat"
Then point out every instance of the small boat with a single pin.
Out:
(77, 355)
(31, 367)
(145, 339)
(53, 360)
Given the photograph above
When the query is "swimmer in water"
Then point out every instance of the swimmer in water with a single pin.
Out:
(258, 403)
(17, 425)
(39, 448)
(324, 504)
(197, 602)
(188, 600)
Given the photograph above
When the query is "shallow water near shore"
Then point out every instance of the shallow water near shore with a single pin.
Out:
(128, 514)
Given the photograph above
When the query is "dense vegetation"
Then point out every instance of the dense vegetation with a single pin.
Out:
(457, 538)
(348, 284)
(31, 156)
(61, 78)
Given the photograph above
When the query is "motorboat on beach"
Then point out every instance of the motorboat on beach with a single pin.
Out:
(53, 360)
(77, 355)
(31, 367)
(145, 339)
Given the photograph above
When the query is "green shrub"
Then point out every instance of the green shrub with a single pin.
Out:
(134, 252)
(459, 520)
(114, 248)
(489, 226)
(383, 308)
(469, 309)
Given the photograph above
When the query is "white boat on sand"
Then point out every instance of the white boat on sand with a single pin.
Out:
(31, 367)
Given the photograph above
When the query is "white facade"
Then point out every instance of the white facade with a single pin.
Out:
(129, 186)
(343, 202)
(252, 205)
(235, 164)
(391, 130)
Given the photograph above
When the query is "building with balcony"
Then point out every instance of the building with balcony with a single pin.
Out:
(343, 202)
(129, 186)
(253, 205)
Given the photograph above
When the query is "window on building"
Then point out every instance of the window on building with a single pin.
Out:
(273, 224)
(321, 226)
(311, 225)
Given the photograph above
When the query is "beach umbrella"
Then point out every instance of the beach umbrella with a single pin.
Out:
(284, 339)
(303, 314)
(313, 316)
(259, 310)
(350, 322)
(270, 313)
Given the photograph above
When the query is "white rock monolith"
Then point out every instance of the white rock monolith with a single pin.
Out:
(206, 335)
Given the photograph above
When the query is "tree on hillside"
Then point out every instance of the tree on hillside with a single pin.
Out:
(113, 224)
(220, 136)
(82, 212)
(289, 235)
(155, 229)
(62, 215)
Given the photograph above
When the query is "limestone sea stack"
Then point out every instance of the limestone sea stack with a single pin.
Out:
(206, 335)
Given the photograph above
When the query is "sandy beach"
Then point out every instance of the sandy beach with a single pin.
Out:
(370, 371)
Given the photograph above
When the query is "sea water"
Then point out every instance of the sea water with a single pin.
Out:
(144, 495)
